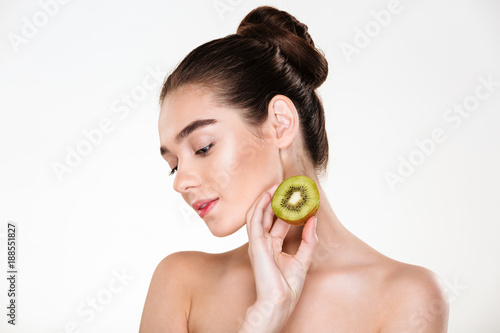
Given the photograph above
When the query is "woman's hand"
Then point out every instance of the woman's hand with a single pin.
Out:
(279, 277)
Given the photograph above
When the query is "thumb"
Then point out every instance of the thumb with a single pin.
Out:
(308, 244)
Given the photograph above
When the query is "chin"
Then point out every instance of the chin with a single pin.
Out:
(223, 228)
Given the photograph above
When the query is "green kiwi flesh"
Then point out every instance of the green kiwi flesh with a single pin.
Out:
(295, 200)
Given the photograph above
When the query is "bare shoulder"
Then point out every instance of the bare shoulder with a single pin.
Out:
(184, 263)
(168, 300)
(414, 300)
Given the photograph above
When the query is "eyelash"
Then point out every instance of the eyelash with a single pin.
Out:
(203, 152)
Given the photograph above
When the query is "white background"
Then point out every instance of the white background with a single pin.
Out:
(116, 211)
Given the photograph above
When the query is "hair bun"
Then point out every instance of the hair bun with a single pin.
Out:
(273, 26)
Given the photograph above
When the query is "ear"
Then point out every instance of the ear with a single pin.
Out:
(284, 120)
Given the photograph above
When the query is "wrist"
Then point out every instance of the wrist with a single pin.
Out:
(264, 317)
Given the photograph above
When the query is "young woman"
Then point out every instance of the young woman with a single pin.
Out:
(238, 116)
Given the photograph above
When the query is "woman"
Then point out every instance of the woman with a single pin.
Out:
(238, 116)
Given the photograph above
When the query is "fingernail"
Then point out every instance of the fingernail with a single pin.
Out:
(315, 223)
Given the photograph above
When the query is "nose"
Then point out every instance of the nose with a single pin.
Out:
(186, 179)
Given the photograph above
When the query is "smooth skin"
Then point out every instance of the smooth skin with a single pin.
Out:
(313, 278)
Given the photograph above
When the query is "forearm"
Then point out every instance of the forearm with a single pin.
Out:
(264, 317)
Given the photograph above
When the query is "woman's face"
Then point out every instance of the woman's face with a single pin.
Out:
(221, 166)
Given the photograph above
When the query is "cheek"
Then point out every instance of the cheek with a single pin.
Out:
(230, 163)
(247, 173)
(248, 160)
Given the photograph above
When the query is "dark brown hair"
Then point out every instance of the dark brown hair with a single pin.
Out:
(271, 53)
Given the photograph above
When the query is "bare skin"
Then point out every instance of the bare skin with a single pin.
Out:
(347, 287)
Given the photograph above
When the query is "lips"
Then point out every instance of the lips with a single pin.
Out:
(203, 207)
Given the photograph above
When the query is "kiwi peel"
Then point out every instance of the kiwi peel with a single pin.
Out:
(296, 199)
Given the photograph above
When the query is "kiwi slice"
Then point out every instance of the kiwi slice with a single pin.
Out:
(296, 199)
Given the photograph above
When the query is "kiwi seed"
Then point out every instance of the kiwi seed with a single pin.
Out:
(296, 199)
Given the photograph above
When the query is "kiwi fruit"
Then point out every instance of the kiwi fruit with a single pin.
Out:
(295, 200)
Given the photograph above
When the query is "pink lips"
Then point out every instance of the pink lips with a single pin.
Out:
(203, 207)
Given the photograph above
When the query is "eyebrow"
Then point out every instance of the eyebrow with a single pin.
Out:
(188, 130)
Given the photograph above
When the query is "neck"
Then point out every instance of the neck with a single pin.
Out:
(332, 235)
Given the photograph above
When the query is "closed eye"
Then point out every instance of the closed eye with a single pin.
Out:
(203, 152)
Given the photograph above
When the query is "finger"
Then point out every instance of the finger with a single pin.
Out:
(272, 189)
(280, 229)
(250, 211)
(250, 214)
(256, 228)
(269, 213)
(308, 244)
(267, 219)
